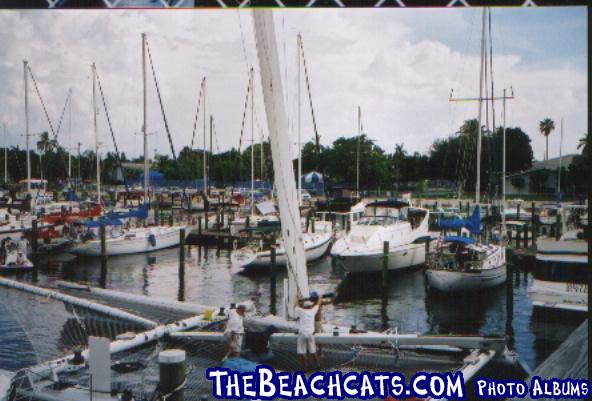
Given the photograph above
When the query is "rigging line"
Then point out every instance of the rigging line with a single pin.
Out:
(166, 124)
(249, 90)
(63, 112)
(117, 158)
(41, 100)
(240, 24)
(203, 81)
(314, 121)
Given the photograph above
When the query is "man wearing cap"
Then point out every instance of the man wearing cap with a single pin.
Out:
(306, 328)
(235, 331)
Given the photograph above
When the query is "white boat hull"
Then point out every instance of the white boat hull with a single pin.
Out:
(399, 258)
(454, 280)
(165, 237)
(559, 295)
(249, 259)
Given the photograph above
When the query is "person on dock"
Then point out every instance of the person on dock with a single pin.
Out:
(306, 328)
(235, 331)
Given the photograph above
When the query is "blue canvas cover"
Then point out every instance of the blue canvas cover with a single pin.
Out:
(140, 213)
(459, 239)
(473, 224)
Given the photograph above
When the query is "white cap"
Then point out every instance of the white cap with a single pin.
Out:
(171, 356)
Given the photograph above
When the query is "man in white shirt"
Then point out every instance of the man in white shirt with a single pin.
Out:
(306, 328)
(235, 331)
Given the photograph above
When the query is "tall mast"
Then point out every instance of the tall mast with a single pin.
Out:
(299, 46)
(205, 172)
(70, 141)
(560, 160)
(95, 111)
(358, 152)
(503, 165)
(210, 153)
(480, 102)
(25, 67)
(252, 146)
(5, 157)
(144, 128)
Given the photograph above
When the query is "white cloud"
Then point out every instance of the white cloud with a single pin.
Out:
(381, 60)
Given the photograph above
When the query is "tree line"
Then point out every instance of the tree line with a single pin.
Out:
(449, 162)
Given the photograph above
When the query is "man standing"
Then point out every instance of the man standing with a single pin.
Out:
(306, 328)
(235, 331)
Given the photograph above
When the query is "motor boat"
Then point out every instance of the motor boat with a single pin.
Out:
(404, 228)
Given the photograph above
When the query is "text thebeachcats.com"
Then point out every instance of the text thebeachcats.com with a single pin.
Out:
(266, 384)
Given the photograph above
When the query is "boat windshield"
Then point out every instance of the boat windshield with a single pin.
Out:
(377, 220)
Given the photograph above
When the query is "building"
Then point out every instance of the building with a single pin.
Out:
(541, 178)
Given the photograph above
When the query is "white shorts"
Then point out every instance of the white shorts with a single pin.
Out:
(237, 343)
(306, 344)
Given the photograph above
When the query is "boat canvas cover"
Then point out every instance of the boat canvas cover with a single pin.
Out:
(473, 224)
(105, 221)
(265, 207)
(140, 213)
(459, 239)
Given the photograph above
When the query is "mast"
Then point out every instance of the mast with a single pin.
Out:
(95, 111)
(560, 162)
(70, 141)
(210, 153)
(299, 45)
(252, 145)
(144, 128)
(503, 166)
(205, 172)
(25, 67)
(5, 157)
(271, 83)
(358, 152)
(480, 102)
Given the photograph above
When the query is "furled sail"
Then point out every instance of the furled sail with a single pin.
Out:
(280, 151)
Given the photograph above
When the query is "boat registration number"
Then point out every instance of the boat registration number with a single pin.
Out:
(572, 287)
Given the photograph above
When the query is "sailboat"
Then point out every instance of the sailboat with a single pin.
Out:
(123, 241)
(463, 263)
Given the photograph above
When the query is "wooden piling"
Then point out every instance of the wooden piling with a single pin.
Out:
(526, 236)
(182, 246)
(103, 237)
(34, 236)
(172, 373)
(518, 212)
(312, 225)
(518, 237)
(534, 223)
(558, 227)
(199, 226)
(272, 288)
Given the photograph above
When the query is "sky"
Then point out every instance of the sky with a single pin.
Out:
(399, 66)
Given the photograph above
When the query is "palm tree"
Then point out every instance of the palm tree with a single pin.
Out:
(546, 127)
(583, 143)
(45, 145)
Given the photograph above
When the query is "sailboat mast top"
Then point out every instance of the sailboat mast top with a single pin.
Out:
(205, 173)
(480, 103)
(144, 124)
(358, 152)
(252, 144)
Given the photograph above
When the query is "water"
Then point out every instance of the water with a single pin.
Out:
(210, 279)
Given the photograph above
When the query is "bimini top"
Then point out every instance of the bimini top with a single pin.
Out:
(459, 239)
(391, 203)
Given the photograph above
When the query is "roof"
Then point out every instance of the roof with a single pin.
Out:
(551, 164)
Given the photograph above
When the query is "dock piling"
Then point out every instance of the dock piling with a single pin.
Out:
(272, 288)
(172, 373)
(385, 254)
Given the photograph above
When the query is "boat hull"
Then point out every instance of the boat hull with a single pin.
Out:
(141, 244)
(399, 258)
(559, 295)
(457, 281)
(258, 260)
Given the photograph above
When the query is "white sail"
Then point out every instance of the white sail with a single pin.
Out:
(280, 151)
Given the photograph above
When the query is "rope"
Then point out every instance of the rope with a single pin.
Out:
(166, 124)
(117, 158)
(314, 121)
(203, 81)
(41, 100)
(63, 112)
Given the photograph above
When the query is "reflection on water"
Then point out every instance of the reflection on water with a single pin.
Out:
(407, 304)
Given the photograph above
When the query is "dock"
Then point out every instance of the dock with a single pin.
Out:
(569, 360)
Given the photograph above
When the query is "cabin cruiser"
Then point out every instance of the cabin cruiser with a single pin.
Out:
(461, 263)
(404, 228)
(266, 213)
(514, 211)
(561, 275)
(548, 214)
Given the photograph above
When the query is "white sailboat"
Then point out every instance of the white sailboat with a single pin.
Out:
(395, 222)
(462, 263)
(135, 240)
